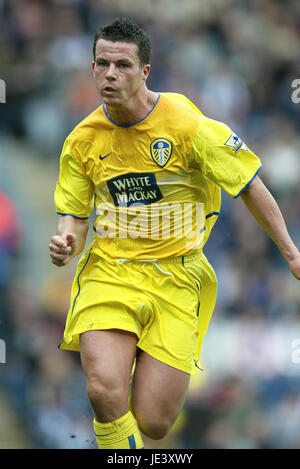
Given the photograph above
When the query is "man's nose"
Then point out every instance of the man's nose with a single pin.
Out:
(111, 72)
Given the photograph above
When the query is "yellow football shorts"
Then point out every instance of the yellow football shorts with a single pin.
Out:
(166, 303)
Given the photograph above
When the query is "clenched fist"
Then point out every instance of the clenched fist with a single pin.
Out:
(62, 249)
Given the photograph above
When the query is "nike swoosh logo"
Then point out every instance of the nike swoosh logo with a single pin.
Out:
(102, 157)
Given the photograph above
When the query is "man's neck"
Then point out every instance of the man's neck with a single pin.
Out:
(132, 112)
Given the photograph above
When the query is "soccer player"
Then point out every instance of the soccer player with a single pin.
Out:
(144, 292)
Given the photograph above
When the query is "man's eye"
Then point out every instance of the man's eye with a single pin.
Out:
(101, 63)
(123, 65)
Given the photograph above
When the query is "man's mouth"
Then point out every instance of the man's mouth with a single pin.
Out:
(109, 89)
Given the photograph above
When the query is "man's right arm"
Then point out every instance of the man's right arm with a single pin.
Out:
(74, 201)
(69, 240)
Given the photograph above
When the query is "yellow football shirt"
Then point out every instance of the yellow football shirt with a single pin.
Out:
(156, 183)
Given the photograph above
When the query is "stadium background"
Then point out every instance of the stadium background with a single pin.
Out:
(236, 60)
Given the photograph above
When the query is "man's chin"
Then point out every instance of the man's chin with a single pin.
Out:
(111, 101)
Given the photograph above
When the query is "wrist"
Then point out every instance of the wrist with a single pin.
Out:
(291, 254)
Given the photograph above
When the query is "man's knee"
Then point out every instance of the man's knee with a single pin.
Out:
(107, 399)
(154, 428)
(100, 392)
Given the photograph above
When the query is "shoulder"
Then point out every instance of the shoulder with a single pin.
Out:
(82, 138)
(179, 112)
(209, 129)
(182, 100)
(212, 131)
(218, 136)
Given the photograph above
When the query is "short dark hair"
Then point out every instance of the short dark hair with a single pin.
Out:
(126, 30)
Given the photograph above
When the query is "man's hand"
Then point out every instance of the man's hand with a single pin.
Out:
(62, 249)
(69, 240)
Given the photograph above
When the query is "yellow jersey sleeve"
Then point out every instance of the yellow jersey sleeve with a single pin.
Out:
(74, 192)
(223, 157)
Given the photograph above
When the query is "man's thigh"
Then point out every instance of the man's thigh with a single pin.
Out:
(158, 391)
(108, 356)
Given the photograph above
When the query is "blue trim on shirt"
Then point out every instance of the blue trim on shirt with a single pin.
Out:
(248, 182)
(212, 214)
(127, 126)
(71, 215)
(96, 231)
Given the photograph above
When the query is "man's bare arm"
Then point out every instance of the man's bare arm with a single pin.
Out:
(264, 208)
(69, 240)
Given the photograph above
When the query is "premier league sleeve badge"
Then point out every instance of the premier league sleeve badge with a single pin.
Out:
(236, 143)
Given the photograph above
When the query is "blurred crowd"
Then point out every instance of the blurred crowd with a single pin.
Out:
(236, 60)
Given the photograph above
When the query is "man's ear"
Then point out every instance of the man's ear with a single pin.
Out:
(146, 71)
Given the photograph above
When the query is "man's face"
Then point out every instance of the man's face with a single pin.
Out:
(118, 72)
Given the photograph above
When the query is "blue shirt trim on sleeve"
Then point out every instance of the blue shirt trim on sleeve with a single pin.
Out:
(248, 183)
(211, 214)
(71, 215)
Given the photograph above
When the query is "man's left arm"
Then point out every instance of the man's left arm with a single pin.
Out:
(265, 210)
